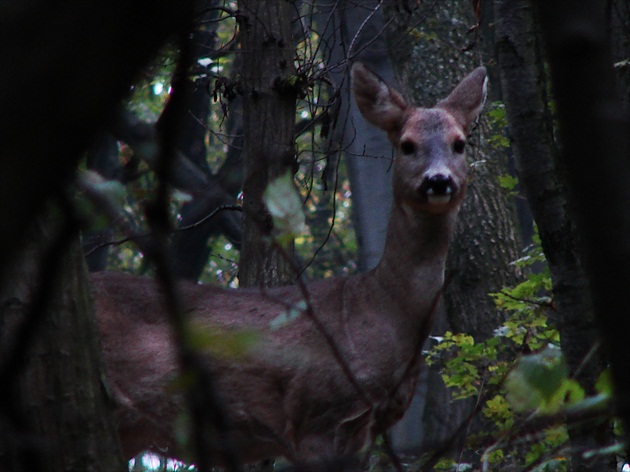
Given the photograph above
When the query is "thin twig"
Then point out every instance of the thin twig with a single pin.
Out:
(133, 235)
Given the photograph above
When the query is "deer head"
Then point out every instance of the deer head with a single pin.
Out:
(430, 172)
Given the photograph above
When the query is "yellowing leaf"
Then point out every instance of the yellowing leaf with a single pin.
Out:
(508, 182)
(222, 343)
(604, 383)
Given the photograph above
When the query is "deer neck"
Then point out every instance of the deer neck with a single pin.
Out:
(411, 271)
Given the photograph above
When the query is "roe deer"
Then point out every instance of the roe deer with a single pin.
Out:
(288, 396)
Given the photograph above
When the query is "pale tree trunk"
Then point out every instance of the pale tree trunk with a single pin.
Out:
(531, 135)
(595, 154)
(269, 96)
(56, 414)
(486, 238)
(367, 150)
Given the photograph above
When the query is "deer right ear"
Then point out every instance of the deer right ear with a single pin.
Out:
(379, 103)
(466, 101)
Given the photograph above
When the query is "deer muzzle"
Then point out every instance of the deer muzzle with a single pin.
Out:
(438, 189)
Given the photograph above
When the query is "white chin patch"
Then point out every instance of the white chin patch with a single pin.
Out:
(438, 199)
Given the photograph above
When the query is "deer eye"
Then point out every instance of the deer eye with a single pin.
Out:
(407, 147)
(459, 145)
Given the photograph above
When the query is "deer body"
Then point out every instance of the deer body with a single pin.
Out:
(289, 396)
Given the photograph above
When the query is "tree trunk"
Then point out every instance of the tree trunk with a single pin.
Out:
(269, 106)
(595, 155)
(486, 237)
(367, 150)
(101, 157)
(56, 414)
(92, 53)
(531, 135)
(190, 246)
(620, 40)
(269, 95)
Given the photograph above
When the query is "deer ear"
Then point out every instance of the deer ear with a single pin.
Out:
(466, 100)
(379, 103)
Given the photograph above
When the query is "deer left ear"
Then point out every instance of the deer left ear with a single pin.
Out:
(467, 99)
(379, 103)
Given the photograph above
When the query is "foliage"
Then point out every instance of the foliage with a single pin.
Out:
(539, 382)
(498, 121)
(499, 141)
(519, 378)
(329, 246)
(326, 248)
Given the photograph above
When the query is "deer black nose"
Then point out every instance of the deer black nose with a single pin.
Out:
(438, 188)
(440, 184)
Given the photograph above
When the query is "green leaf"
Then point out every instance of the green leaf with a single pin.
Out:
(604, 383)
(285, 207)
(508, 182)
(497, 113)
(539, 382)
(544, 371)
(498, 410)
(235, 343)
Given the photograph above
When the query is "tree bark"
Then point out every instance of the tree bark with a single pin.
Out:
(88, 53)
(531, 135)
(56, 414)
(367, 150)
(190, 246)
(269, 95)
(595, 154)
(486, 238)
(620, 40)
(101, 157)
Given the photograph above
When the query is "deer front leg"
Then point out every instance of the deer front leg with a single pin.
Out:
(323, 432)
(337, 449)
